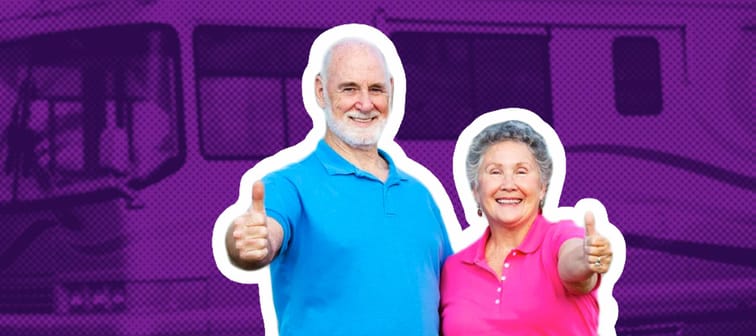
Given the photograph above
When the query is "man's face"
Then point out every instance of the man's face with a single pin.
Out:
(356, 95)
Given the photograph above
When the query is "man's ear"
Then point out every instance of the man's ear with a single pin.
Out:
(391, 101)
(320, 91)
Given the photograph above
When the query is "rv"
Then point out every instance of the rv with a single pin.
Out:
(125, 127)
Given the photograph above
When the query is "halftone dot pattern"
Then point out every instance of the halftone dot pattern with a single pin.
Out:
(637, 77)
(249, 89)
(649, 172)
(439, 107)
(93, 122)
(652, 175)
(98, 114)
(298, 121)
(242, 117)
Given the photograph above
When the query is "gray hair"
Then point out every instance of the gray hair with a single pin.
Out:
(512, 130)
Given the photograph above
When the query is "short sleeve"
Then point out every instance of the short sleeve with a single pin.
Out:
(565, 230)
(282, 203)
(560, 232)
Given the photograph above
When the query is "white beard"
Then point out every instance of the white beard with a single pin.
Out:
(353, 136)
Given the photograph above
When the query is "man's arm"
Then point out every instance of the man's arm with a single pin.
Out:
(578, 267)
(254, 239)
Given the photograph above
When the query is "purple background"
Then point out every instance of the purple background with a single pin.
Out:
(125, 127)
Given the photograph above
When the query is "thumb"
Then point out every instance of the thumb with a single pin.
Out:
(590, 224)
(258, 194)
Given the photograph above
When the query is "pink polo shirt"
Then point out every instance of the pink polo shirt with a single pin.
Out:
(528, 299)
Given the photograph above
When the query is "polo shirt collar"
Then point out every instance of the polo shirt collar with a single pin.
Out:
(335, 164)
(535, 236)
(533, 240)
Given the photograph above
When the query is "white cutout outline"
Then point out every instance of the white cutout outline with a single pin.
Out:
(608, 309)
(305, 147)
(458, 238)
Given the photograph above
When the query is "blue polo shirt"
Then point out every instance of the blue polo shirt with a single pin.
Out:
(359, 256)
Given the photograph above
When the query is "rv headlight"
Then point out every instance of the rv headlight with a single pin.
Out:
(91, 298)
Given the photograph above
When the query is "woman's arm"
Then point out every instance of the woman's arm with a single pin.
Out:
(582, 259)
(574, 270)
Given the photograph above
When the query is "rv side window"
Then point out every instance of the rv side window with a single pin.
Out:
(454, 77)
(249, 89)
(637, 75)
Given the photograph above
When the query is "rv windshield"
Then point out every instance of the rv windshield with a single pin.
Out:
(99, 113)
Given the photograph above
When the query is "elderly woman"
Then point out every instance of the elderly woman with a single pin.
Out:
(526, 275)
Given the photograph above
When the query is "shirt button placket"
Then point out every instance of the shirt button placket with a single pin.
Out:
(499, 289)
(503, 278)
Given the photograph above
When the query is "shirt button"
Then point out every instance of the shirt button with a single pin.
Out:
(503, 277)
(506, 265)
(514, 253)
(497, 301)
(498, 289)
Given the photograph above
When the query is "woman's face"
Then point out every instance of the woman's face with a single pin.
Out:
(509, 184)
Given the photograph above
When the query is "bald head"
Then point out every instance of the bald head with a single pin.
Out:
(351, 48)
(354, 89)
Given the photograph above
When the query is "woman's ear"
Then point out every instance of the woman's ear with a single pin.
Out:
(477, 200)
(542, 193)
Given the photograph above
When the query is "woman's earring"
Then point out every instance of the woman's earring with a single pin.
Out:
(480, 212)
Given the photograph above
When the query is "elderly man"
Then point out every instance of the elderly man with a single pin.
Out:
(355, 245)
